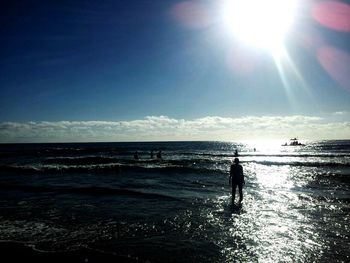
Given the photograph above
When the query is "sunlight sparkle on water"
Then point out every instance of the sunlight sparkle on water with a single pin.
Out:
(275, 179)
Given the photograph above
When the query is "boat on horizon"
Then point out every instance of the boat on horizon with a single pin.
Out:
(293, 142)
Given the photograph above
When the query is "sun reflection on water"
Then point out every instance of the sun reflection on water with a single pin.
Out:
(273, 224)
(274, 178)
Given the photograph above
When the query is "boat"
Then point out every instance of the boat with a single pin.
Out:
(293, 142)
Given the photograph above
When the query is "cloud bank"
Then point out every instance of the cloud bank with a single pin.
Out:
(161, 128)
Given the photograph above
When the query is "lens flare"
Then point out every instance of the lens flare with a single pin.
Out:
(337, 64)
(333, 14)
(192, 14)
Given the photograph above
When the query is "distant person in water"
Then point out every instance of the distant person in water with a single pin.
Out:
(136, 155)
(152, 155)
(159, 155)
(236, 153)
(236, 179)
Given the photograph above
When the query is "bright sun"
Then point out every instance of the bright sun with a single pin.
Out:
(260, 23)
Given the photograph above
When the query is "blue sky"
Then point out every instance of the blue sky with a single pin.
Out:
(125, 61)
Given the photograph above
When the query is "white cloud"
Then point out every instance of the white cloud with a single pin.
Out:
(164, 128)
(340, 113)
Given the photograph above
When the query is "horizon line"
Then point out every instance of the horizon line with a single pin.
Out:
(170, 141)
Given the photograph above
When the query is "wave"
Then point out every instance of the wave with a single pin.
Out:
(92, 190)
(257, 154)
(340, 145)
(95, 160)
(307, 164)
(55, 169)
(81, 160)
(114, 165)
(81, 150)
(209, 161)
(21, 251)
(115, 168)
(304, 155)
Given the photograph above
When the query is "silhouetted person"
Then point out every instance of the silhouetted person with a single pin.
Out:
(152, 154)
(236, 153)
(136, 155)
(159, 155)
(236, 179)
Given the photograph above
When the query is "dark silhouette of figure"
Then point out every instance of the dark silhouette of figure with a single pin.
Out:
(236, 153)
(152, 154)
(159, 155)
(236, 179)
(136, 155)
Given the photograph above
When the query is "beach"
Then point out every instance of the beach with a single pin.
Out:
(91, 202)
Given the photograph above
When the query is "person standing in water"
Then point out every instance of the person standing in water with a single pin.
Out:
(236, 179)
(136, 155)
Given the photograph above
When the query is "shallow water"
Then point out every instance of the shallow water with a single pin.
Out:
(65, 196)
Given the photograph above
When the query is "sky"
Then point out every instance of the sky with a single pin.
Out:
(141, 70)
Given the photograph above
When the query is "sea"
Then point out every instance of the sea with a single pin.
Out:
(178, 208)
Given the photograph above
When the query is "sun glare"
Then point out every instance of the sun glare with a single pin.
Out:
(262, 24)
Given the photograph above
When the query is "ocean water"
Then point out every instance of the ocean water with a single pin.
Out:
(296, 208)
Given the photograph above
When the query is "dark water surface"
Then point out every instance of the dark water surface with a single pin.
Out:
(62, 197)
